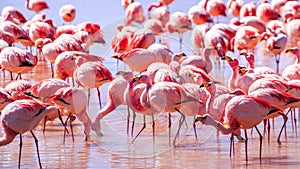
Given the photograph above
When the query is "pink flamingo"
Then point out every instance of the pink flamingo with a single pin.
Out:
(268, 82)
(246, 37)
(215, 8)
(18, 88)
(36, 5)
(68, 29)
(266, 13)
(292, 30)
(8, 27)
(19, 117)
(5, 98)
(237, 112)
(234, 7)
(121, 40)
(116, 90)
(162, 14)
(159, 4)
(197, 37)
(292, 71)
(14, 13)
(125, 3)
(142, 38)
(258, 70)
(179, 22)
(70, 43)
(248, 9)
(134, 13)
(44, 29)
(67, 12)
(155, 26)
(73, 101)
(198, 15)
(255, 22)
(91, 75)
(16, 60)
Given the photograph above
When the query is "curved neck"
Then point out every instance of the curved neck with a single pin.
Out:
(8, 135)
(232, 78)
(154, 5)
(109, 107)
(144, 97)
(298, 57)
(219, 126)
(206, 54)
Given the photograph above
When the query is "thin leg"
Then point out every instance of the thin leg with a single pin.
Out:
(11, 76)
(277, 58)
(89, 96)
(52, 71)
(144, 126)
(246, 145)
(133, 123)
(290, 110)
(180, 42)
(231, 144)
(169, 126)
(72, 118)
(153, 128)
(61, 120)
(285, 118)
(180, 125)
(20, 150)
(194, 126)
(99, 97)
(128, 120)
(295, 120)
(37, 148)
(65, 123)
(44, 128)
(269, 128)
(265, 121)
(260, 142)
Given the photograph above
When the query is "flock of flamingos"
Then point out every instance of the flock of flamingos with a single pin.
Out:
(159, 80)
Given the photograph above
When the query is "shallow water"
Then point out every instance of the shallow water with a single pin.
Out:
(115, 150)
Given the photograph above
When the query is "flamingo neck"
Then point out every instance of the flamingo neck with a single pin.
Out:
(219, 126)
(210, 101)
(298, 58)
(8, 135)
(206, 55)
(233, 78)
(154, 5)
(109, 107)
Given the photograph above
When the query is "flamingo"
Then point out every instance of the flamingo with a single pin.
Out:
(73, 101)
(255, 22)
(14, 59)
(258, 70)
(198, 15)
(67, 12)
(166, 97)
(179, 22)
(14, 13)
(248, 9)
(266, 13)
(5, 98)
(64, 64)
(68, 29)
(125, 3)
(91, 75)
(162, 14)
(18, 88)
(9, 29)
(36, 5)
(237, 113)
(19, 117)
(197, 37)
(44, 29)
(292, 71)
(3, 44)
(246, 37)
(142, 38)
(134, 13)
(116, 90)
(234, 7)
(159, 4)
(215, 8)
(155, 26)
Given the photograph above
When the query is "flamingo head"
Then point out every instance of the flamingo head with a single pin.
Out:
(293, 50)
(205, 84)
(242, 70)
(227, 58)
(205, 119)
(237, 92)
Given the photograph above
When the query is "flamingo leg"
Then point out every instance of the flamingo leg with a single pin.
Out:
(260, 142)
(89, 95)
(37, 148)
(20, 150)
(231, 144)
(194, 126)
(11, 76)
(246, 145)
(52, 71)
(265, 126)
(277, 59)
(180, 42)
(65, 123)
(99, 97)
(44, 127)
(61, 120)
(133, 122)
(153, 128)
(144, 126)
(269, 128)
(169, 126)
(285, 118)
(182, 119)
(72, 118)
(295, 120)
(128, 119)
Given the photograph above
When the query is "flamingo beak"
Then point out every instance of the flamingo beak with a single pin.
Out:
(227, 58)
(289, 50)
(121, 72)
(199, 118)
(244, 54)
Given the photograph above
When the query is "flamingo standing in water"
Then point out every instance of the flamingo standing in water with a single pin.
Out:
(18, 88)
(73, 101)
(14, 59)
(179, 22)
(292, 71)
(19, 117)
(91, 75)
(36, 5)
(116, 90)
(237, 113)
(67, 12)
